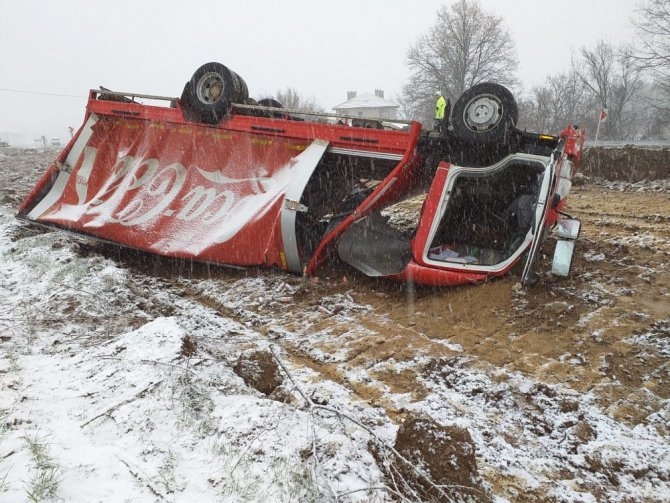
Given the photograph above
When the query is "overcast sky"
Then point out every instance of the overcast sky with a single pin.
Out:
(321, 48)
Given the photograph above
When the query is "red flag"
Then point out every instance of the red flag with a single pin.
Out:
(603, 115)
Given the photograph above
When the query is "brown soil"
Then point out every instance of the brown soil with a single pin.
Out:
(572, 331)
(259, 370)
(579, 332)
(189, 347)
(446, 454)
(628, 163)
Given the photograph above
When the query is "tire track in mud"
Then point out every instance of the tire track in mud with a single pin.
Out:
(622, 280)
(381, 344)
(578, 332)
(573, 332)
(558, 333)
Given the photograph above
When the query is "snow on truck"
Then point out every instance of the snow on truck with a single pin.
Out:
(217, 177)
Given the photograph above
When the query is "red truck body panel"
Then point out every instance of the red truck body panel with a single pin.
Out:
(144, 177)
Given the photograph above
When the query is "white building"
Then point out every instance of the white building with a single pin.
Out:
(367, 105)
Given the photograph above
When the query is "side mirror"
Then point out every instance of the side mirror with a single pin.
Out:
(567, 233)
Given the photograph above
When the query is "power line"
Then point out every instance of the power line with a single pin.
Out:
(41, 93)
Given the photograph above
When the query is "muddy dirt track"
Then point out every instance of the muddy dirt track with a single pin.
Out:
(601, 336)
(572, 331)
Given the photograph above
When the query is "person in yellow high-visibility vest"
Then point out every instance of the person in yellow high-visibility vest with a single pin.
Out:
(441, 111)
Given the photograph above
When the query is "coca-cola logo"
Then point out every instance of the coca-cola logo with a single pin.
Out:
(139, 190)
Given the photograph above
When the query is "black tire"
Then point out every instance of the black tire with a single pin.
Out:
(484, 113)
(210, 93)
(270, 102)
(367, 123)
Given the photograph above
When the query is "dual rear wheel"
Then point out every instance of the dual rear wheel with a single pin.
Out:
(210, 93)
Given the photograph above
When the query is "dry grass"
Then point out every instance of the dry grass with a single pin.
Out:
(46, 475)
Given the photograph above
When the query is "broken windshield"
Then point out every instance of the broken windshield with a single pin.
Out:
(487, 213)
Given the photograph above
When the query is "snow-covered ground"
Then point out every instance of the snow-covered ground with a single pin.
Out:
(92, 371)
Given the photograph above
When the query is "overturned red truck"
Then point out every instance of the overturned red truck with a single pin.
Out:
(216, 177)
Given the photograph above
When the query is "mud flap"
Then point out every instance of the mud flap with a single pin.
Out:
(56, 192)
(304, 166)
(567, 233)
(375, 248)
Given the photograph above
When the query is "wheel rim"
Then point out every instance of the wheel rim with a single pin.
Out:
(482, 113)
(209, 88)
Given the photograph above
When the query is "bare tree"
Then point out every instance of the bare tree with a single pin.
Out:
(613, 79)
(466, 46)
(564, 99)
(528, 115)
(412, 109)
(560, 101)
(652, 22)
(292, 99)
(652, 113)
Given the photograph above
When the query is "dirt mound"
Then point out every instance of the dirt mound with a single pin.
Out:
(628, 163)
(446, 453)
(189, 347)
(259, 370)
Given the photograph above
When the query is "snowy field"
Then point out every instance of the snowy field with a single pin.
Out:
(120, 374)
